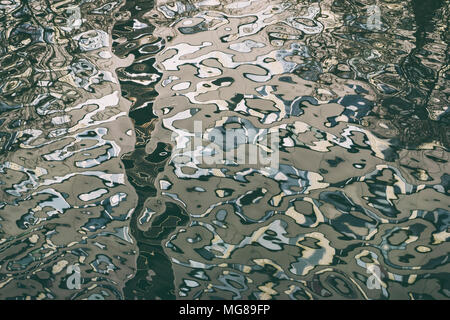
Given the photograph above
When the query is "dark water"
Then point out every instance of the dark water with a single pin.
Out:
(98, 101)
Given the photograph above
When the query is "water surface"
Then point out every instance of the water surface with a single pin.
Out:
(98, 100)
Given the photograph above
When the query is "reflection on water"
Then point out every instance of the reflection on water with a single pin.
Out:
(97, 97)
(65, 199)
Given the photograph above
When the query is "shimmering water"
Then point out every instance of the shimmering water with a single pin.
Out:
(98, 99)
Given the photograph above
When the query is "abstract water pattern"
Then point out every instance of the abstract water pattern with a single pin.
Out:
(98, 100)
(65, 199)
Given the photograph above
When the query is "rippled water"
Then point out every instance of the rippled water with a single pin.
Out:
(98, 99)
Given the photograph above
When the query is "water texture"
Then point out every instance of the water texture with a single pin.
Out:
(101, 175)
